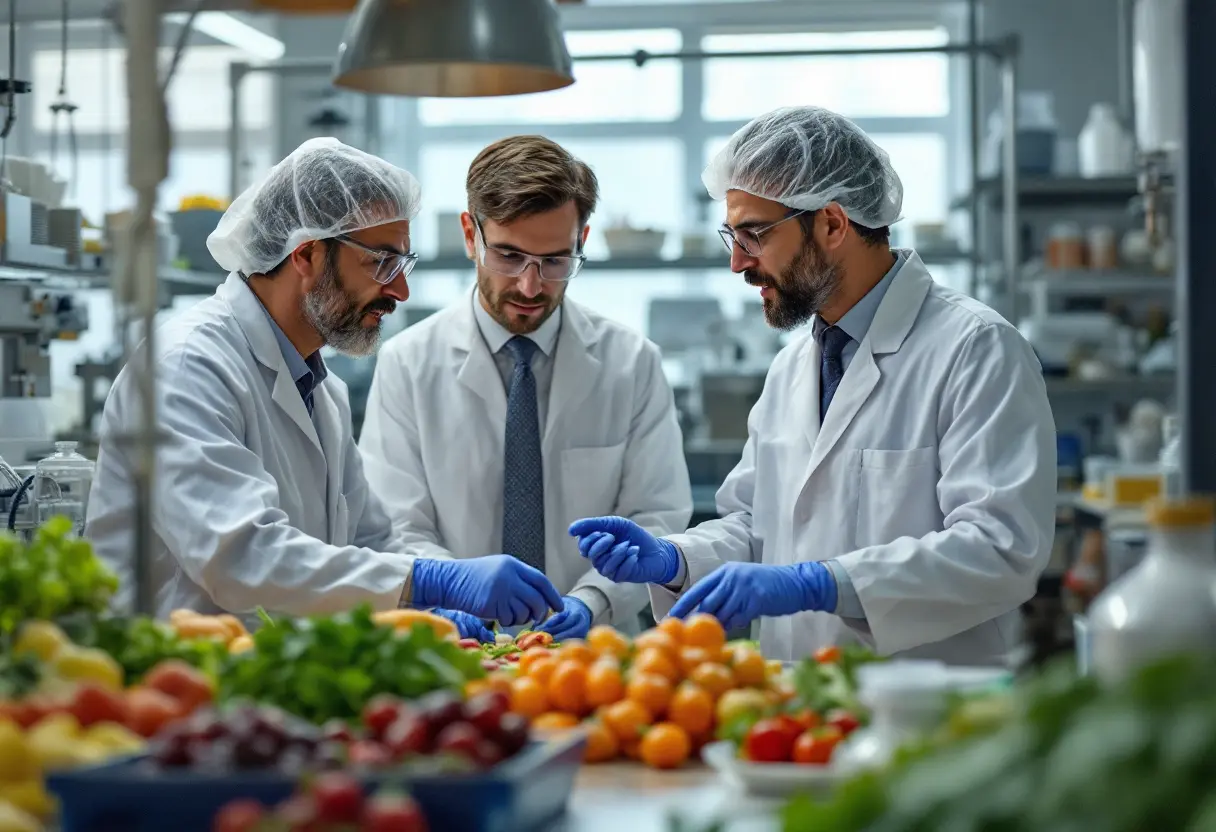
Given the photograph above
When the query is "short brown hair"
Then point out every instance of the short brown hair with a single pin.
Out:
(525, 175)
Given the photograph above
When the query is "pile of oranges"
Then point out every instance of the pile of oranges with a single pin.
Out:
(657, 698)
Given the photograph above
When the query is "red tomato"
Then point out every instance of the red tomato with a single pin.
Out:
(469, 644)
(189, 686)
(769, 741)
(827, 655)
(150, 710)
(816, 747)
(790, 725)
(239, 816)
(808, 719)
(338, 797)
(846, 722)
(381, 712)
(93, 703)
(26, 713)
(537, 638)
(393, 813)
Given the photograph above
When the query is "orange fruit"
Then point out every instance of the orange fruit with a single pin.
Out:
(542, 668)
(654, 660)
(567, 688)
(659, 639)
(666, 745)
(576, 650)
(748, 667)
(604, 684)
(693, 657)
(632, 748)
(716, 679)
(531, 656)
(651, 691)
(703, 630)
(692, 708)
(528, 697)
(674, 627)
(602, 743)
(500, 680)
(553, 721)
(475, 687)
(625, 719)
(606, 641)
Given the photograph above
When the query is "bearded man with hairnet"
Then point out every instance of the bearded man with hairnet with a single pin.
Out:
(261, 499)
(898, 483)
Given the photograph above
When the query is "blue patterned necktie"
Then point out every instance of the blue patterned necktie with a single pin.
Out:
(833, 340)
(523, 489)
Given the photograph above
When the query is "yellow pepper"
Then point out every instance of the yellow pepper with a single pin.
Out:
(85, 664)
(42, 638)
(13, 819)
(17, 760)
(28, 796)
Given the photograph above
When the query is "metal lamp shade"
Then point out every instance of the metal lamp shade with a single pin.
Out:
(453, 48)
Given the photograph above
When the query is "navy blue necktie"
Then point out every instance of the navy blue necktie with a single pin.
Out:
(523, 489)
(832, 342)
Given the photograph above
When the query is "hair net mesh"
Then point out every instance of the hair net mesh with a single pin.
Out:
(324, 188)
(806, 157)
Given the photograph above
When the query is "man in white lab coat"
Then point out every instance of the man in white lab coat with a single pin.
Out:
(493, 424)
(260, 495)
(898, 482)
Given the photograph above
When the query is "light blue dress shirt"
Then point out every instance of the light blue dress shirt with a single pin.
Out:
(307, 373)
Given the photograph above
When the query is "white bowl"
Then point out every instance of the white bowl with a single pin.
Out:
(771, 779)
(634, 242)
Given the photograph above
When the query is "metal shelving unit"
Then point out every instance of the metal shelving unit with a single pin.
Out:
(1162, 384)
(1095, 283)
(1054, 191)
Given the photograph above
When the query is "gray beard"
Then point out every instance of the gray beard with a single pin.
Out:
(338, 319)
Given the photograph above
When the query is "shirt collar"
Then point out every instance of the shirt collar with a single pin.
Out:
(856, 322)
(497, 336)
(307, 373)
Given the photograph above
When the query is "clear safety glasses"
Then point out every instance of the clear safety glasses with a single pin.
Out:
(386, 265)
(748, 239)
(510, 263)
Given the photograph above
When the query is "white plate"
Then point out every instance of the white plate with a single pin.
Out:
(770, 779)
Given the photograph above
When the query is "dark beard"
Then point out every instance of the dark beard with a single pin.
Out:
(805, 286)
(516, 326)
(338, 318)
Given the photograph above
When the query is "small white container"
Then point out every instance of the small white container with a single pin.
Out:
(1104, 146)
(1166, 604)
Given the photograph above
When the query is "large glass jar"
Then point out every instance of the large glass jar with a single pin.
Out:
(61, 485)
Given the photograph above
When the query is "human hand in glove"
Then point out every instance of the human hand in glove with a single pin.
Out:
(573, 621)
(470, 626)
(737, 593)
(497, 587)
(624, 552)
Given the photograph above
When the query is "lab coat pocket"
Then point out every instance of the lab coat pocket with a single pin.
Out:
(896, 495)
(339, 534)
(591, 480)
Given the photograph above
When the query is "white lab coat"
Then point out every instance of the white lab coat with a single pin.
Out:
(932, 482)
(433, 435)
(256, 504)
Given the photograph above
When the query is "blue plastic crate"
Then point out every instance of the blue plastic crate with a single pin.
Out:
(528, 792)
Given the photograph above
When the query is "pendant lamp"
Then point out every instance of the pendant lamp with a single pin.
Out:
(453, 48)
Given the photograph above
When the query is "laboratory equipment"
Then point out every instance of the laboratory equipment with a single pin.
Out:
(1166, 604)
(61, 486)
(1105, 147)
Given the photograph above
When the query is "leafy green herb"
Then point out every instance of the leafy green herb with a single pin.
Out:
(19, 675)
(139, 643)
(329, 667)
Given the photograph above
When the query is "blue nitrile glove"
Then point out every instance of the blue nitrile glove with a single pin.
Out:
(736, 593)
(624, 552)
(498, 587)
(470, 626)
(573, 621)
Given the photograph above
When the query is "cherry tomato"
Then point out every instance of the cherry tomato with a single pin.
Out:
(790, 725)
(469, 644)
(239, 816)
(381, 712)
(846, 722)
(537, 638)
(808, 719)
(338, 797)
(769, 741)
(816, 747)
(827, 655)
(393, 813)
(94, 703)
(408, 735)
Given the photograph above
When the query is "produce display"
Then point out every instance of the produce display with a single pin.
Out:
(439, 729)
(333, 802)
(1058, 752)
(139, 644)
(655, 698)
(506, 649)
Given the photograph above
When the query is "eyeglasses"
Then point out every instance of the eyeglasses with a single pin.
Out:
(388, 264)
(509, 263)
(748, 239)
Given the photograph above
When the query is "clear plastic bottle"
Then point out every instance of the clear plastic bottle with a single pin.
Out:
(61, 485)
(1165, 605)
(1171, 458)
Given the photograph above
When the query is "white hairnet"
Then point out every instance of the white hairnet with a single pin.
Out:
(322, 189)
(806, 157)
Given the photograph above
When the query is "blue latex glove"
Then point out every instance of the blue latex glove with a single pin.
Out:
(737, 593)
(624, 552)
(497, 587)
(572, 622)
(470, 626)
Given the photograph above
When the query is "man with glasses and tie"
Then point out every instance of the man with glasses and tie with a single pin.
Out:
(261, 499)
(898, 483)
(494, 423)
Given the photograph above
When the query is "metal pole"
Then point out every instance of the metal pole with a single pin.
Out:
(976, 136)
(236, 73)
(1009, 183)
(1196, 214)
(642, 57)
(1127, 100)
